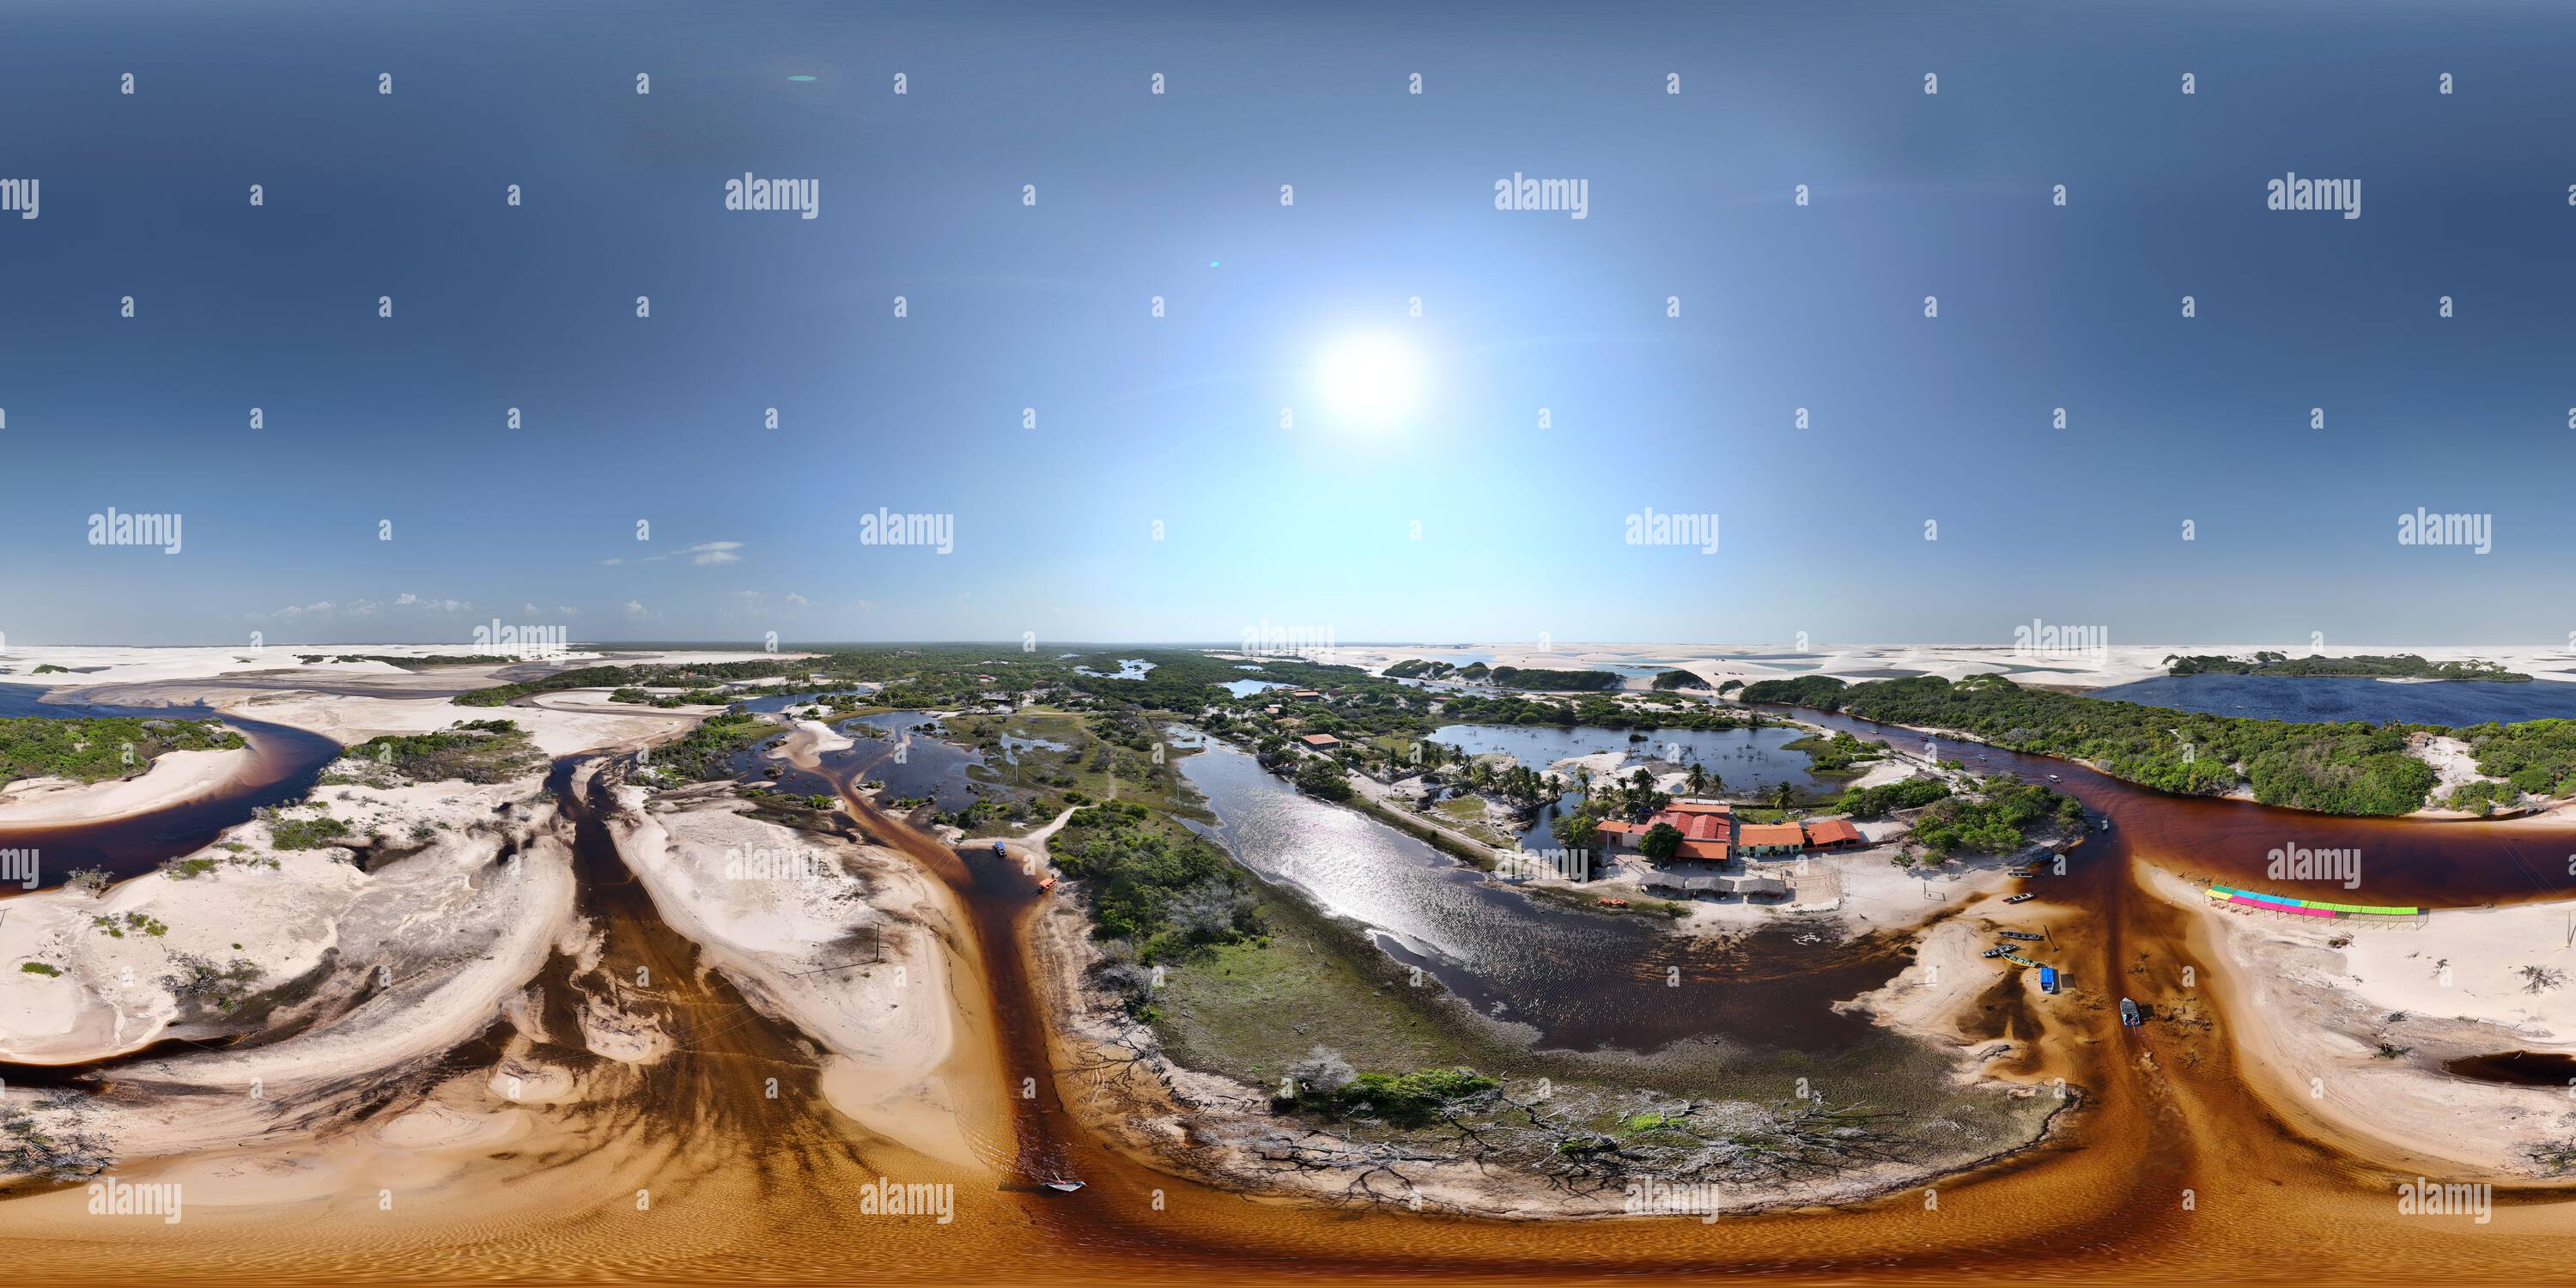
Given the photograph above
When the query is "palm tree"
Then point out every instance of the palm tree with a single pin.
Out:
(1698, 778)
(1782, 794)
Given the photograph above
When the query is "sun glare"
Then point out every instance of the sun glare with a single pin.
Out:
(1372, 377)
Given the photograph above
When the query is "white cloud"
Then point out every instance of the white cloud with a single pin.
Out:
(634, 610)
(714, 552)
(799, 600)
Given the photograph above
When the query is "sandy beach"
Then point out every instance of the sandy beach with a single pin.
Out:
(174, 778)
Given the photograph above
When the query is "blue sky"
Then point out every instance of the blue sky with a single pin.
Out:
(1176, 419)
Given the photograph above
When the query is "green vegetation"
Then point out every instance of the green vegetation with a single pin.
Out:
(2350, 768)
(684, 675)
(412, 663)
(1405, 1098)
(2406, 665)
(1323, 779)
(1543, 678)
(1995, 820)
(707, 753)
(1836, 755)
(2481, 797)
(1165, 891)
(2536, 756)
(1414, 668)
(93, 749)
(1679, 680)
(473, 751)
(40, 968)
(1887, 798)
(49, 668)
(1661, 842)
(294, 833)
(134, 921)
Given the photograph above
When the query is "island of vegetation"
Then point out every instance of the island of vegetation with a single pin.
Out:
(2389, 666)
(93, 750)
(2352, 767)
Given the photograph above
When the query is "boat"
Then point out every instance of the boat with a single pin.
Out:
(2020, 898)
(2021, 934)
(2129, 1017)
(1001, 851)
(2052, 778)
(2048, 979)
(1995, 952)
(1046, 885)
(1064, 1187)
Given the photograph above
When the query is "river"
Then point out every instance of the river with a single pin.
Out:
(2181, 1171)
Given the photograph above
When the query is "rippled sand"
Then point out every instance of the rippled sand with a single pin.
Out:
(2176, 1172)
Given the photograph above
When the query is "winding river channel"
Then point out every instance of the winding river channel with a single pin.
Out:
(2179, 1170)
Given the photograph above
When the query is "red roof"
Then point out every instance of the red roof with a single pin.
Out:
(1321, 740)
(1772, 834)
(1713, 851)
(1621, 826)
(1700, 807)
(1693, 827)
(1832, 831)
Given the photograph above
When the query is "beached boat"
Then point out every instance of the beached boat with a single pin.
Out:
(2129, 1017)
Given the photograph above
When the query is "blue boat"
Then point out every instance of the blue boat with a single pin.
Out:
(2048, 979)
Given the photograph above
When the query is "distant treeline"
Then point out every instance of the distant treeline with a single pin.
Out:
(1680, 680)
(1544, 679)
(2352, 768)
(2398, 665)
(435, 659)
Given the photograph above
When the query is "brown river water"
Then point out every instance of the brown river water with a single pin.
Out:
(2178, 1170)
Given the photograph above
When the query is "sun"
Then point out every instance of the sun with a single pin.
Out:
(1372, 377)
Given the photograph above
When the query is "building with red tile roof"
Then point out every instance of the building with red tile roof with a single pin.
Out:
(1321, 741)
(1771, 838)
(1832, 832)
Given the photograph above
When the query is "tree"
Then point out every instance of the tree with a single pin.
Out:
(1782, 794)
(1576, 831)
(1698, 779)
(1320, 777)
(1661, 842)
